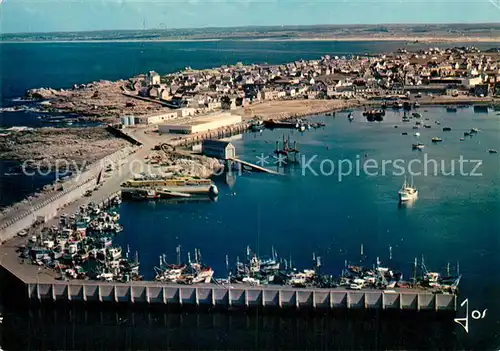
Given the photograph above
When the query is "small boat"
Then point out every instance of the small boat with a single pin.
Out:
(492, 151)
(415, 127)
(466, 134)
(417, 134)
(405, 119)
(418, 123)
(451, 109)
(395, 126)
(302, 128)
(474, 130)
(397, 105)
(418, 146)
(404, 133)
(462, 139)
(436, 140)
(446, 129)
(257, 126)
(427, 126)
(416, 104)
(408, 192)
(350, 117)
(438, 123)
(416, 115)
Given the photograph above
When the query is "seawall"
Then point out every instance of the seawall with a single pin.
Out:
(237, 298)
(16, 220)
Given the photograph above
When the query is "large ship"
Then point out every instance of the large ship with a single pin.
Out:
(271, 123)
(170, 187)
(408, 192)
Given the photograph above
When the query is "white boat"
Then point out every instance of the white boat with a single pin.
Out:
(302, 128)
(408, 192)
(417, 134)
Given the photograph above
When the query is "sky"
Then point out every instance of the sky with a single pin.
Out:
(84, 15)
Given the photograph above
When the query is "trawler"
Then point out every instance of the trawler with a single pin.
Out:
(408, 192)
(155, 187)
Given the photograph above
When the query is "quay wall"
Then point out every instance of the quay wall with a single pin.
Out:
(220, 133)
(215, 296)
(48, 208)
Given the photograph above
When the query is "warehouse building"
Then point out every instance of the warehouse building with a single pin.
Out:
(218, 149)
(200, 124)
(154, 119)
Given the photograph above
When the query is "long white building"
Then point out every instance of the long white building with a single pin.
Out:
(201, 124)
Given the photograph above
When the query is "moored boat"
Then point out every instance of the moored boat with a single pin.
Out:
(407, 192)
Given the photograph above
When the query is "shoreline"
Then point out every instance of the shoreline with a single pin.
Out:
(411, 39)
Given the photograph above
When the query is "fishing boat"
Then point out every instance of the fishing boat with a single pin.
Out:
(418, 146)
(374, 115)
(257, 126)
(407, 192)
(446, 129)
(492, 151)
(436, 140)
(397, 105)
(271, 123)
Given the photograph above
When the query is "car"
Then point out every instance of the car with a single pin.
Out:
(22, 233)
(355, 287)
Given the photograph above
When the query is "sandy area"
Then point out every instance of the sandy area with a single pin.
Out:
(293, 108)
(281, 109)
(455, 39)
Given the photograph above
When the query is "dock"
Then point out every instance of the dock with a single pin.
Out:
(234, 297)
(231, 297)
(254, 166)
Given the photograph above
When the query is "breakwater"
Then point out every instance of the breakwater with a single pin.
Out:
(215, 296)
(46, 209)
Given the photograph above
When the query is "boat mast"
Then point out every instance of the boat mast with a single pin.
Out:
(178, 249)
(415, 272)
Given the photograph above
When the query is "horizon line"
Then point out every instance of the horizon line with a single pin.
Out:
(353, 25)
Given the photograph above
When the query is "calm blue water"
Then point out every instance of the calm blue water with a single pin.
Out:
(454, 219)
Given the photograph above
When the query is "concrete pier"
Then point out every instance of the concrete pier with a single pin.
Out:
(238, 297)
